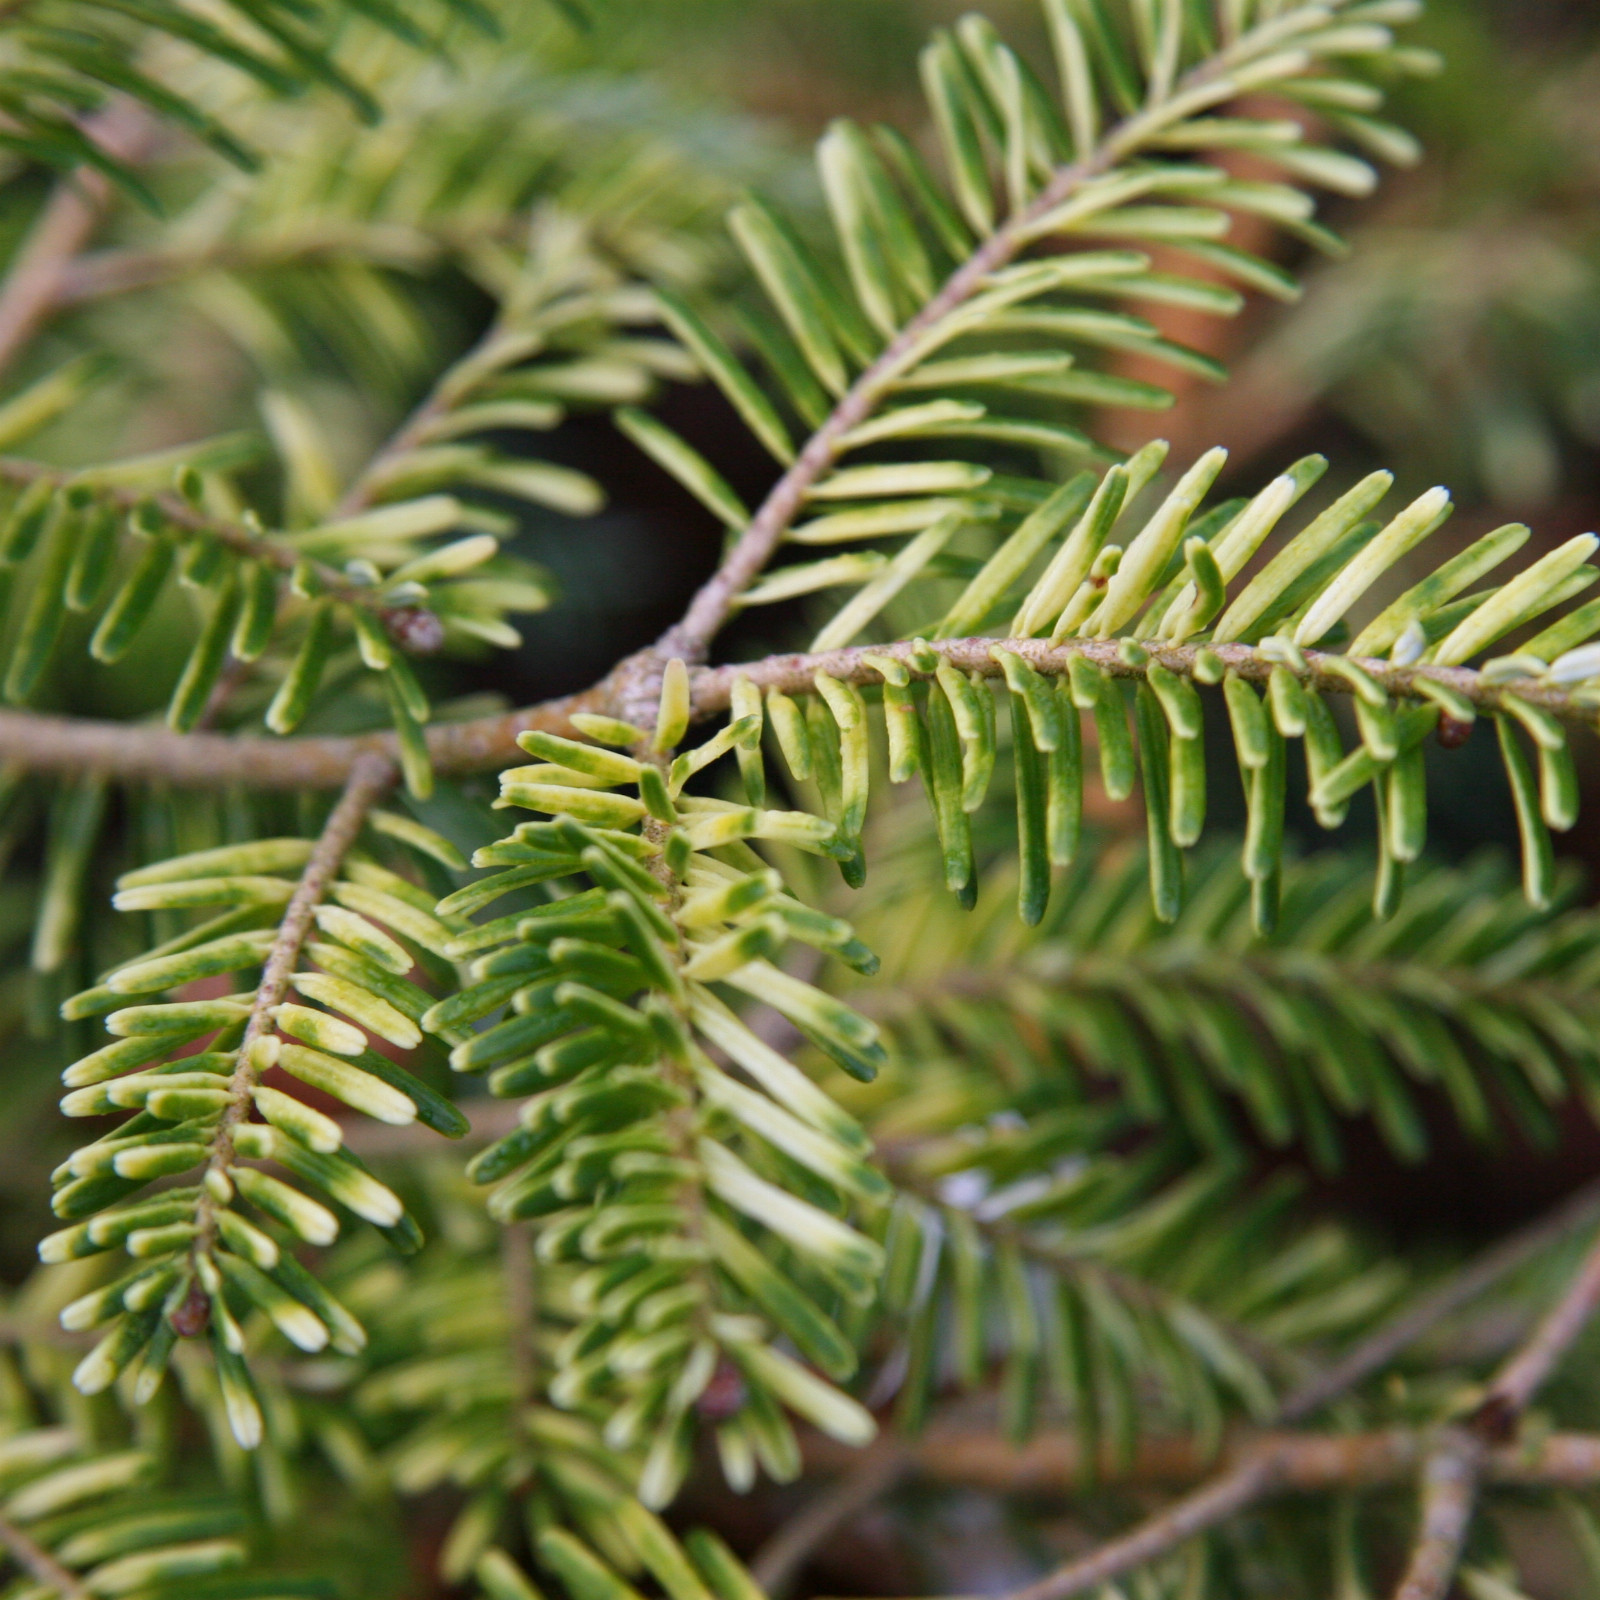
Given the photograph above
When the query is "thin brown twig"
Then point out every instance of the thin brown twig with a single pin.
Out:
(1528, 1368)
(40, 1564)
(1226, 1495)
(124, 750)
(1419, 1319)
(1051, 1464)
(778, 1562)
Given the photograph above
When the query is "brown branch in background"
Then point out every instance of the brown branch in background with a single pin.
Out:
(522, 1309)
(40, 1564)
(1051, 1464)
(1526, 1371)
(1224, 1496)
(779, 1561)
(1416, 1321)
(65, 225)
(1450, 1475)
(1449, 1492)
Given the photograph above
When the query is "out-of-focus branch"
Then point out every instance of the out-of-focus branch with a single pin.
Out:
(31, 289)
(1416, 1321)
(1530, 1366)
(778, 1562)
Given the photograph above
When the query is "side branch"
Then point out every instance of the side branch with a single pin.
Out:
(1527, 1369)
(796, 674)
(691, 637)
(370, 779)
(1224, 1496)
(1419, 1319)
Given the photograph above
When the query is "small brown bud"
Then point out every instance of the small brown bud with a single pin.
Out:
(1453, 732)
(415, 629)
(190, 1319)
(724, 1395)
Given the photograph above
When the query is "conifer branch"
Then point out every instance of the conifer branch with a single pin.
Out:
(128, 750)
(1455, 1461)
(1416, 1321)
(1528, 1369)
(370, 779)
(243, 539)
(690, 638)
(1227, 1494)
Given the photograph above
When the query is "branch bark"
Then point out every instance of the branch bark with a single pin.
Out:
(1051, 1463)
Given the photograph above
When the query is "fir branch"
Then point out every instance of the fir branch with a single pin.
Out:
(690, 638)
(1530, 1367)
(1416, 1321)
(796, 674)
(1453, 1465)
(245, 540)
(124, 750)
